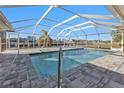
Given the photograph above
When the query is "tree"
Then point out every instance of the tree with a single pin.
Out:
(45, 39)
(116, 36)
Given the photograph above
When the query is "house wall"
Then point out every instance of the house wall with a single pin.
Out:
(2, 41)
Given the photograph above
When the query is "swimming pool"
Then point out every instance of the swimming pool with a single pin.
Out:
(46, 63)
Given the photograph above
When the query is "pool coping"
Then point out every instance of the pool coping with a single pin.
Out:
(43, 50)
(67, 49)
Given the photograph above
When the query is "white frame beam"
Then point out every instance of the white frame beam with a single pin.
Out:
(74, 26)
(95, 23)
(86, 27)
(42, 17)
(105, 17)
(63, 22)
(86, 16)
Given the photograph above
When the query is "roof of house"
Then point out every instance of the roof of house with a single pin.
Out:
(5, 26)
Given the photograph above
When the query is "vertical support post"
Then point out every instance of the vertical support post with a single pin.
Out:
(64, 43)
(2, 41)
(6, 40)
(76, 43)
(122, 41)
(111, 42)
(33, 42)
(98, 40)
(59, 68)
(57, 42)
(18, 43)
(9, 40)
(70, 42)
(86, 41)
(28, 43)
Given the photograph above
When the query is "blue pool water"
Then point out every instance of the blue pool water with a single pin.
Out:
(46, 63)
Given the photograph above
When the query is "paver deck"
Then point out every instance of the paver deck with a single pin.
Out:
(106, 71)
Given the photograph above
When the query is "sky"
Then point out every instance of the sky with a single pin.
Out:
(20, 13)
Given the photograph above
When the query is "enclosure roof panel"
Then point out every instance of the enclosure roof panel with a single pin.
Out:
(105, 17)
(4, 24)
(118, 11)
(67, 18)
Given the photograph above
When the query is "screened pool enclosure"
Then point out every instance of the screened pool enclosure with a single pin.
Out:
(65, 26)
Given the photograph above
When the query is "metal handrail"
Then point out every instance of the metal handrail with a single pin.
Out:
(59, 67)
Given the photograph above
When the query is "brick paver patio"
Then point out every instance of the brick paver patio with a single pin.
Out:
(107, 71)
